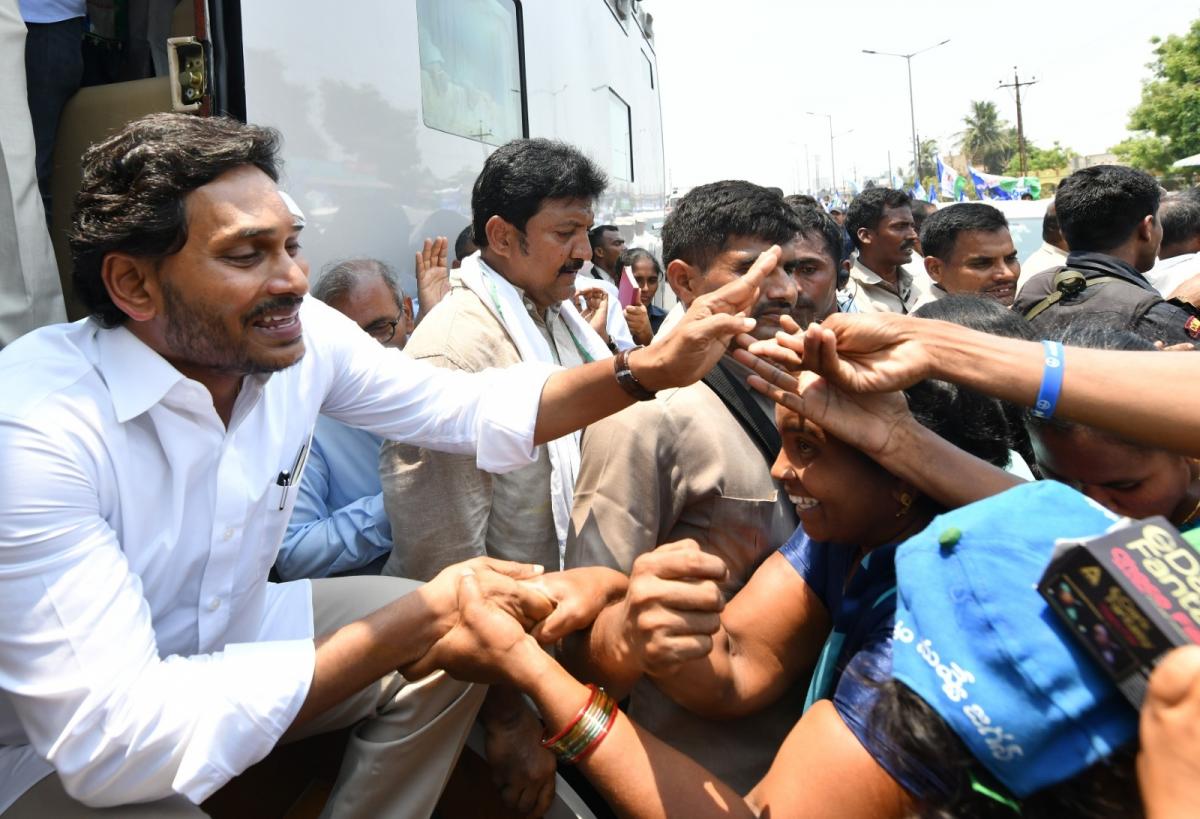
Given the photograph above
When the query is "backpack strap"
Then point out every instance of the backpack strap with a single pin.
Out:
(1067, 282)
(745, 409)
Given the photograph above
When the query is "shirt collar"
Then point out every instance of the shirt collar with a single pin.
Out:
(868, 276)
(137, 376)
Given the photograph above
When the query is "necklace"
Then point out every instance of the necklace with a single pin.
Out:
(1192, 514)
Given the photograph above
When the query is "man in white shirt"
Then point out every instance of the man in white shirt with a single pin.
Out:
(153, 452)
(1179, 255)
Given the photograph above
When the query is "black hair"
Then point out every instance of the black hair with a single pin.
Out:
(940, 231)
(920, 741)
(1051, 230)
(866, 209)
(632, 255)
(704, 219)
(460, 243)
(816, 223)
(1100, 207)
(339, 278)
(1093, 331)
(989, 316)
(596, 234)
(520, 176)
(801, 200)
(921, 210)
(1180, 217)
(131, 197)
(972, 421)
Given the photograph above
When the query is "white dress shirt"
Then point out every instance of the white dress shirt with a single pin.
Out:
(143, 652)
(1044, 258)
(1168, 274)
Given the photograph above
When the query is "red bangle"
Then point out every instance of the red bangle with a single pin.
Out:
(595, 743)
(546, 743)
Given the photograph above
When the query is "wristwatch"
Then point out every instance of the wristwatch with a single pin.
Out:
(627, 379)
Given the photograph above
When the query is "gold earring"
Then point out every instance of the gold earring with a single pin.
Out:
(906, 502)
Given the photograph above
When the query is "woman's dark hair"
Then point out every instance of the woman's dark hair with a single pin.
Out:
(632, 255)
(919, 741)
(1094, 331)
(134, 182)
(989, 316)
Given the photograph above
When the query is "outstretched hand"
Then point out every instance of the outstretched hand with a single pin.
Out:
(702, 336)
(860, 352)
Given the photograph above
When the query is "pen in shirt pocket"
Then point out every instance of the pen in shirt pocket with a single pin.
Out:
(287, 479)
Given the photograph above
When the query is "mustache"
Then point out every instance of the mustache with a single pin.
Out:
(571, 266)
(774, 306)
(271, 305)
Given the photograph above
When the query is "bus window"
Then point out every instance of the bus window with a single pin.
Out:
(470, 68)
(620, 137)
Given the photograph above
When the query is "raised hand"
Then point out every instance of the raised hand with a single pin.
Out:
(702, 336)
(638, 319)
(1168, 763)
(580, 595)
(860, 352)
(673, 606)
(433, 273)
(595, 310)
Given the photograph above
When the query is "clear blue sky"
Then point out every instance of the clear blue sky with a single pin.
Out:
(738, 77)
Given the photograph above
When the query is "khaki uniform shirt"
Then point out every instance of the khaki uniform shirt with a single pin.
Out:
(681, 466)
(871, 294)
(442, 507)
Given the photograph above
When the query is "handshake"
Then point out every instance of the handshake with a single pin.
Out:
(491, 614)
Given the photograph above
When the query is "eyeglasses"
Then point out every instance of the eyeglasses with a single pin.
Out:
(384, 330)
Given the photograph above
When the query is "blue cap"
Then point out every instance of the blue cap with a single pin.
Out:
(975, 640)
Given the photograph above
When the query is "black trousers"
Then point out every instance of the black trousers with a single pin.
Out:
(53, 73)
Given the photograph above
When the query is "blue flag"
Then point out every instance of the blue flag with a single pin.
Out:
(918, 190)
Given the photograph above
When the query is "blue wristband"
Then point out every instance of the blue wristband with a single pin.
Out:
(1052, 379)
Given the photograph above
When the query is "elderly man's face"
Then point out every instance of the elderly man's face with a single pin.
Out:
(372, 305)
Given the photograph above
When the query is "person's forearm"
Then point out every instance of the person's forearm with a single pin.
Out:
(637, 774)
(939, 469)
(362, 652)
(581, 395)
(1101, 388)
(600, 655)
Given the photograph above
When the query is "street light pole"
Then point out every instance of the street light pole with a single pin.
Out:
(912, 110)
(832, 166)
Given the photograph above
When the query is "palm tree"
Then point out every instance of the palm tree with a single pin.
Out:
(987, 140)
(927, 151)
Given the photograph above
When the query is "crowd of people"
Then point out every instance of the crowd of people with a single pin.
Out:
(771, 552)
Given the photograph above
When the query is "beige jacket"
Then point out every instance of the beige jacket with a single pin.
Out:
(442, 507)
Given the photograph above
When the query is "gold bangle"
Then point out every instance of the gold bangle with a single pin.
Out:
(583, 733)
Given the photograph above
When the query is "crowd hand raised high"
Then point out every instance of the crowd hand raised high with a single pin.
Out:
(672, 607)
(579, 595)
(494, 592)
(702, 336)
(1168, 762)
(433, 273)
(638, 319)
(595, 310)
(859, 352)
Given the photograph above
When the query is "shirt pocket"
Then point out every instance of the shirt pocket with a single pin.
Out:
(739, 532)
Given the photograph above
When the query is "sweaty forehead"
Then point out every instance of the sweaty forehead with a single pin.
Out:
(989, 243)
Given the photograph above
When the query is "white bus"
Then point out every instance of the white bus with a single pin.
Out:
(389, 108)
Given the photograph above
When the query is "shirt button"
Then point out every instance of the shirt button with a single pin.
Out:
(214, 604)
(227, 534)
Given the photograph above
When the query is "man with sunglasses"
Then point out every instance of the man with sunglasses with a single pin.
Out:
(339, 525)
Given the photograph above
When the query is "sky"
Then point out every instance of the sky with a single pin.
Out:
(737, 79)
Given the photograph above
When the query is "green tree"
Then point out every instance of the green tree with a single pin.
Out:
(1040, 159)
(1167, 120)
(987, 140)
(927, 151)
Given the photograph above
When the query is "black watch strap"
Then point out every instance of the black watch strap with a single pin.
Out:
(626, 379)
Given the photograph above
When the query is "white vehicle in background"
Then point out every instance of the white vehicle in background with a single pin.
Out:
(1024, 223)
(389, 108)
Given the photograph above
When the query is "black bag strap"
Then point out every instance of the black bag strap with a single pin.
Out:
(1067, 282)
(745, 409)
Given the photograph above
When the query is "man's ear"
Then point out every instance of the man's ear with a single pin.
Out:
(503, 237)
(684, 280)
(864, 235)
(132, 284)
(933, 266)
(1145, 229)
